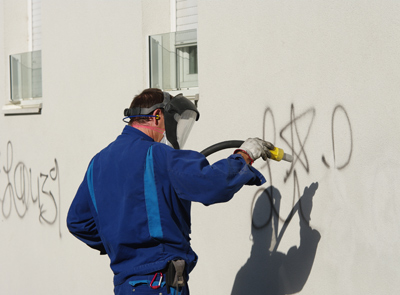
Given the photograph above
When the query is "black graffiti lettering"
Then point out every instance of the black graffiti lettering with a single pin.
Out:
(9, 158)
(8, 192)
(299, 129)
(43, 210)
(295, 206)
(19, 192)
(325, 162)
(345, 154)
(54, 175)
(289, 271)
(298, 140)
(20, 186)
(268, 113)
(334, 115)
(34, 200)
(275, 204)
(7, 196)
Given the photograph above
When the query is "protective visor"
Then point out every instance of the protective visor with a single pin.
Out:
(185, 123)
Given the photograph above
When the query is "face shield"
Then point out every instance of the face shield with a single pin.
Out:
(184, 125)
(179, 116)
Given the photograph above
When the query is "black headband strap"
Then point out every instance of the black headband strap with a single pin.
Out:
(146, 111)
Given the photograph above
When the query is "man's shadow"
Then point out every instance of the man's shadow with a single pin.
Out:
(268, 271)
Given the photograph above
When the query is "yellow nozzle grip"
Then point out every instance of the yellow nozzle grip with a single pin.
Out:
(277, 154)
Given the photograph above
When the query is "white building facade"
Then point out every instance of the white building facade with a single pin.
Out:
(319, 79)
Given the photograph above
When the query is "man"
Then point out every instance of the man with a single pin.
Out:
(134, 201)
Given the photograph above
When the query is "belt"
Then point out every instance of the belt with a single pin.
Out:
(174, 276)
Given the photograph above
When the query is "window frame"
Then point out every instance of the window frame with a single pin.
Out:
(32, 104)
(173, 75)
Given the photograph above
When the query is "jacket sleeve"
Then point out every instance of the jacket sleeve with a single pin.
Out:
(80, 220)
(194, 179)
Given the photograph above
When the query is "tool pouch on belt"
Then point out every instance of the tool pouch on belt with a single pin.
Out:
(175, 276)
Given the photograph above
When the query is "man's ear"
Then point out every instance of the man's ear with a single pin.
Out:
(157, 113)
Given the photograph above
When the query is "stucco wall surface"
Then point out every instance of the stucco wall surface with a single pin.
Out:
(319, 79)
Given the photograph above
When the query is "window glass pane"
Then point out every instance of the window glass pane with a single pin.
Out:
(163, 61)
(173, 60)
(26, 75)
(36, 74)
(187, 66)
(193, 60)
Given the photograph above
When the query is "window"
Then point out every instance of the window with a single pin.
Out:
(173, 60)
(26, 75)
(26, 69)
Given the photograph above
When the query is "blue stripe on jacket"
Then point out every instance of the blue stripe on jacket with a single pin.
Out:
(90, 184)
(151, 197)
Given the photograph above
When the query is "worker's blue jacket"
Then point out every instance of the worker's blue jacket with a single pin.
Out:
(134, 202)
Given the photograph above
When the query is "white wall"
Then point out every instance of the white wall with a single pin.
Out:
(93, 64)
(275, 70)
(2, 55)
(314, 56)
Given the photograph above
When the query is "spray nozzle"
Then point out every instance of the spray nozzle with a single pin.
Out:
(278, 154)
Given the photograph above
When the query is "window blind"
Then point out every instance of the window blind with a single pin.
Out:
(36, 25)
(186, 15)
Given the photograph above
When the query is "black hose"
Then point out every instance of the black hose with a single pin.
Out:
(221, 146)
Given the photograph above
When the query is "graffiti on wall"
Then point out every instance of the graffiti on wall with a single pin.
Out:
(296, 132)
(269, 271)
(25, 191)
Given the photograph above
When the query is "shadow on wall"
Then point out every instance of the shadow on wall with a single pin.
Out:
(268, 271)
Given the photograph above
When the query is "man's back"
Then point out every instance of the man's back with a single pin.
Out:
(140, 220)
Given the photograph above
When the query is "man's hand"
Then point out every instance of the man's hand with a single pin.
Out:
(255, 148)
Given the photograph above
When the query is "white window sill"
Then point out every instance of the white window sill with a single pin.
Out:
(26, 106)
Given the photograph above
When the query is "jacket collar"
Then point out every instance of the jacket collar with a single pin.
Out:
(129, 130)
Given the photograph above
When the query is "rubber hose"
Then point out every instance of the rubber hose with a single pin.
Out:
(221, 146)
